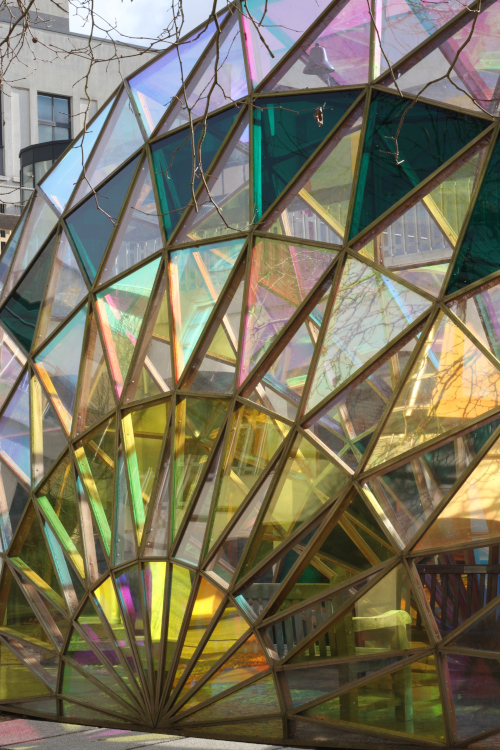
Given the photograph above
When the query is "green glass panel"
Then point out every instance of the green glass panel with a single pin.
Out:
(71, 585)
(125, 538)
(479, 255)
(96, 459)
(181, 581)
(286, 134)
(154, 577)
(229, 629)
(258, 698)
(429, 137)
(257, 730)
(16, 616)
(15, 496)
(90, 716)
(15, 432)
(20, 313)
(16, 680)
(369, 311)
(58, 366)
(172, 160)
(97, 396)
(255, 438)
(60, 183)
(143, 433)
(207, 602)
(406, 701)
(197, 425)
(91, 225)
(120, 138)
(76, 685)
(309, 480)
(224, 203)
(57, 498)
(281, 277)
(30, 554)
(198, 276)
(121, 308)
(66, 288)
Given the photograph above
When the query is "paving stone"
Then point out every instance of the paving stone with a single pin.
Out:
(86, 738)
(198, 743)
(26, 730)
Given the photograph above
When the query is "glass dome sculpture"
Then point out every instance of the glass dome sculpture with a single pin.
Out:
(250, 448)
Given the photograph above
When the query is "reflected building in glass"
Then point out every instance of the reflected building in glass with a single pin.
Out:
(250, 448)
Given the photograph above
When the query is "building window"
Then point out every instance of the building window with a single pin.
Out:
(53, 118)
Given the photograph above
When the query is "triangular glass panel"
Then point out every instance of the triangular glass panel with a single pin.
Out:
(223, 62)
(14, 496)
(30, 554)
(17, 618)
(451, 383)
(391, 609)
(411, 691)
(206, 605)
(478, 255)
(42, 658)
(479, 314)
(40, 224)
(457, 584)
(281, 277)
(58, 365)
(309, 480)
(58, 501)
(15, 432)
(47, 436)
(198, 276)
(475, 688)
(154, 577)
(60, 183)
(223, 564)
(260, 730)
(270, 31)
(458, 68)
(71, 585)
(152, 374)
(16, 680)
(138, 234)
(96, 456)
(91, 225)
(125, 537)
(157, 543)
(336, 52)
(75, 684)
(120, 138)
(286, 134)
(180, 584)
(154, 87)
(191, 544)
(317, 205)
(230, 627)
(387, 173)
(12, 361)
(197, 425)
(417, 242)
(370, 310)
(143, 433)
(216, 371)
(472, 513)
(223, 206)
(408, 494)
(173, 160)
(65, 290)
(10, 249)
(96, 391)
(20, 312)
(121, 309)
(254, 440)
(128, 584)
(344, 426)
(258, 698)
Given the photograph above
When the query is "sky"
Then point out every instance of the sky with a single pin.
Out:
(143, 18)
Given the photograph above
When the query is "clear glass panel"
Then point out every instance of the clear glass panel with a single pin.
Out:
(10, 249)
(96, 391)
(476, 708)
(225, 208)
(369, 311)
(15, 432)
(139, 234)
(47, 436)
(132, 602)
(258, 698)
(14, 498)
(450, 383)
(58, 366)
(12, 361)
(480, 314)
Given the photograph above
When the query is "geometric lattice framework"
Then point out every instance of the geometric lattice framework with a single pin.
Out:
(249, 454)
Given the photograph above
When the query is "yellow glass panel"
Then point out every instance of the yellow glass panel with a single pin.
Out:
(451, 383)
(154, 575)
(181, 581)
